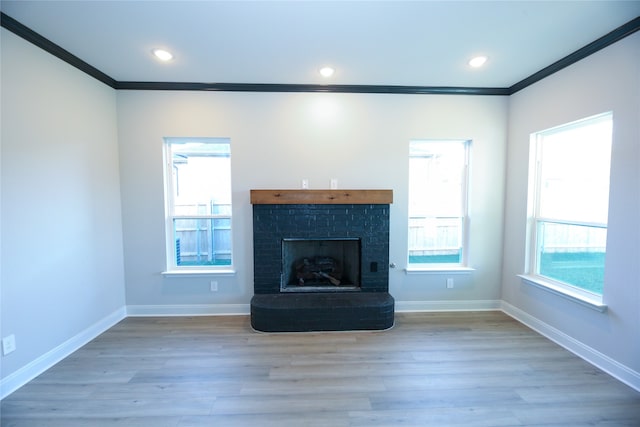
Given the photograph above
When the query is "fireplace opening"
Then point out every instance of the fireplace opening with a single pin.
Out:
(328, 265)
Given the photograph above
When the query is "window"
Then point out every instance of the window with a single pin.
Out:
(569, 201)
(198, 203)
(437, 203)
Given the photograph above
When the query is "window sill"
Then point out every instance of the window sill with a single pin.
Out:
(584, 298)
(439, 270)
(197, 273)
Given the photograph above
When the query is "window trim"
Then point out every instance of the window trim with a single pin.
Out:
(530, 275)
(566, 291)
(198, 273)
(171, 268)
(438, 269)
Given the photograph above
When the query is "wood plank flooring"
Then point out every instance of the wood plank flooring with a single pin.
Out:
(431, 369)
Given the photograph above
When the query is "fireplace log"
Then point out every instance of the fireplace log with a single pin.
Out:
(333, 280)
(319, 268)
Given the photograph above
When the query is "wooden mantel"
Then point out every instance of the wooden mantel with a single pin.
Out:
(321, 197)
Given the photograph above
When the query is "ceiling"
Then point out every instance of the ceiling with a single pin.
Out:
(416, 43)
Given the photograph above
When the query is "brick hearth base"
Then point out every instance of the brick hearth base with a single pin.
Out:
(305, 312)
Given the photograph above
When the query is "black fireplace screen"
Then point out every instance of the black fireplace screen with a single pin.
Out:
(320, 264)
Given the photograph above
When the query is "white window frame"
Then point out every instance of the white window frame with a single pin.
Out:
(462, 266)
(172, 269)
(536, 220)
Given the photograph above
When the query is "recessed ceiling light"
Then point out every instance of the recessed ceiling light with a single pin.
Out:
(327, 71)
(162, 54)
(478, 61)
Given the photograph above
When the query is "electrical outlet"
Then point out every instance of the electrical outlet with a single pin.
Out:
(214, 286)
(305, 184)
(334, 183)
(450, 283)
(8, 344)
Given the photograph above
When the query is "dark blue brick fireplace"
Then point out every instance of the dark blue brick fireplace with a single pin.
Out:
(281, 216)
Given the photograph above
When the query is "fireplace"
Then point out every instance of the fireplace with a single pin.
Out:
(321, 260)
(320, 265)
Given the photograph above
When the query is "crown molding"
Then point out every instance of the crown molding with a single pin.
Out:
(48, 46)
(276, 87)
(31, 36)
(599, 44)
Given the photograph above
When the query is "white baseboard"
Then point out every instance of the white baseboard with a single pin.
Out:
(187, 310)
(31, 370)
(607, 364)
(471, 305)
(245, 309)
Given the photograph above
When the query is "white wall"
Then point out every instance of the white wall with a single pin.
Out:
(606, 81)
(277, 139)
(62, 265)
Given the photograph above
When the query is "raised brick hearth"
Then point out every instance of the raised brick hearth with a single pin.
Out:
(279, 216)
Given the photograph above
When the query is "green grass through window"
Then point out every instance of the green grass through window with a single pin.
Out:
(434, 259)
(581, 269)
(216, 262)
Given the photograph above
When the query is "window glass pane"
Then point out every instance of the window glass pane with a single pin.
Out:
(199, 202)
(573, 254)
(201, 179)
(437, 191)
(435, 241)
(574, 172)
(436, 173)
(202, 241)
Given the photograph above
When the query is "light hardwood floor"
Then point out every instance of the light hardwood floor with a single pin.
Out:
(431, 369)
